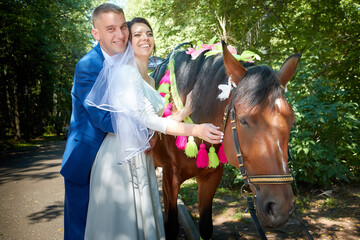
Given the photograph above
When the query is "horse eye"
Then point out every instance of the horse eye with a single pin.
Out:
(243, 122)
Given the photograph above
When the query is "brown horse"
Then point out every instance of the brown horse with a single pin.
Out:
(263, 120)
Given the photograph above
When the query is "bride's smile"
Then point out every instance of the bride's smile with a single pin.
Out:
(142, 40)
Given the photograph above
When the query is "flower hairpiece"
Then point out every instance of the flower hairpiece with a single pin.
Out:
(226, 89)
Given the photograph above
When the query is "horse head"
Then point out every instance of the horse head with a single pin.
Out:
(263, 121)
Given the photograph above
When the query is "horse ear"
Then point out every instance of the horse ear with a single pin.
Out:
(288, 69)
(234, 69)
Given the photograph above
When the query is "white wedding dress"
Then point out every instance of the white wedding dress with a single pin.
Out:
(124, 199)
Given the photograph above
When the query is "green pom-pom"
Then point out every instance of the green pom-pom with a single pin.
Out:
(167, 98)
(213, 158)
(191, 149)
(164, 88)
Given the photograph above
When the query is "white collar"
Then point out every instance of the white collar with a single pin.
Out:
(104, 53)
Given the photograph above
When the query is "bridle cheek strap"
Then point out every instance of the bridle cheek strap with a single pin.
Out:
(237, 146)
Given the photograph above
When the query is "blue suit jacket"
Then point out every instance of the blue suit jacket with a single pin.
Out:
(88, 125)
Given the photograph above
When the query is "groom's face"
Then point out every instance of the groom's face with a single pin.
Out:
(111, 30)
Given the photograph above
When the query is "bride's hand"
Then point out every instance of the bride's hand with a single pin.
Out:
(209, 133)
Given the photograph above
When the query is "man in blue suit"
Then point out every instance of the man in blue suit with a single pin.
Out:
(89, 125)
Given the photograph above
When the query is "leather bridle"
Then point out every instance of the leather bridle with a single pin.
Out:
(256, 179)
(251, 180)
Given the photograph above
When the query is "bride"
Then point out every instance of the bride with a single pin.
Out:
(124, 199)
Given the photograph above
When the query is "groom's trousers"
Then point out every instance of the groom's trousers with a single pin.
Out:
(75, 210)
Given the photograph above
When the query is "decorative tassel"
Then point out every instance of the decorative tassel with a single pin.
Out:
(221, 154)
(202, 159)
(164, 88)
(181, 142)
(213, 158)
(165, 78)
(191, 149)
(167, 111)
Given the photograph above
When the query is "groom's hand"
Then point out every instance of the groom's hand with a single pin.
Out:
(152, 143)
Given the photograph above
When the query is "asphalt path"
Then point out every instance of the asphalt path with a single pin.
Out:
(32, 194)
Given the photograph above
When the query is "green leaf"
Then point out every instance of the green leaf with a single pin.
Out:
(248, 56)
(212, 41)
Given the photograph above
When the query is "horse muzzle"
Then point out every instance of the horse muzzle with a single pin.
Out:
(275, 209)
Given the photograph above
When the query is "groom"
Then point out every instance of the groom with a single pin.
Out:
(89, 125)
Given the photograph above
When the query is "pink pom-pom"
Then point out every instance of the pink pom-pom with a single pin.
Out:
(221, 154)
(165, 78)
(181, 142)
(162, 94)
(167, 111)
(202, 159)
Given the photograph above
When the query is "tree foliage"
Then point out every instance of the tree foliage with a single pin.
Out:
(41, 41)
(325, 141)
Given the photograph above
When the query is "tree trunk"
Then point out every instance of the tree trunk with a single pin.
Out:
(13, 112)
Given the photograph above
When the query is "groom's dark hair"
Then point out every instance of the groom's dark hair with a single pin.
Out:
(105, 8)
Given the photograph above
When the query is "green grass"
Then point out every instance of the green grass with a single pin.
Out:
(19, 145)
(229, 191)
(330, 203)
(189, 192)
(238, 216)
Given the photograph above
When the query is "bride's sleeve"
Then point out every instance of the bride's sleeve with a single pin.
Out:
(151, 120)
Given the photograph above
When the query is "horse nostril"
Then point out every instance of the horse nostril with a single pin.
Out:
(269, 209)
(275, 213)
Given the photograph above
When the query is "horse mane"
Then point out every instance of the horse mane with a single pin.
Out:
(258, 84)
(204, 75)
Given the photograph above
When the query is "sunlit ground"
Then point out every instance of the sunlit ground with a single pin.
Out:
(330, 214)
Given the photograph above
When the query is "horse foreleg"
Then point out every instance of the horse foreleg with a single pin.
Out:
(208, 184)
(171, 188)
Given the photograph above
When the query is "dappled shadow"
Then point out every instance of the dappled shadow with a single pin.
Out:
(245, 229)
(49, 213)
(330, 217)
(17, 176)
(35, 164)
(342, 220)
